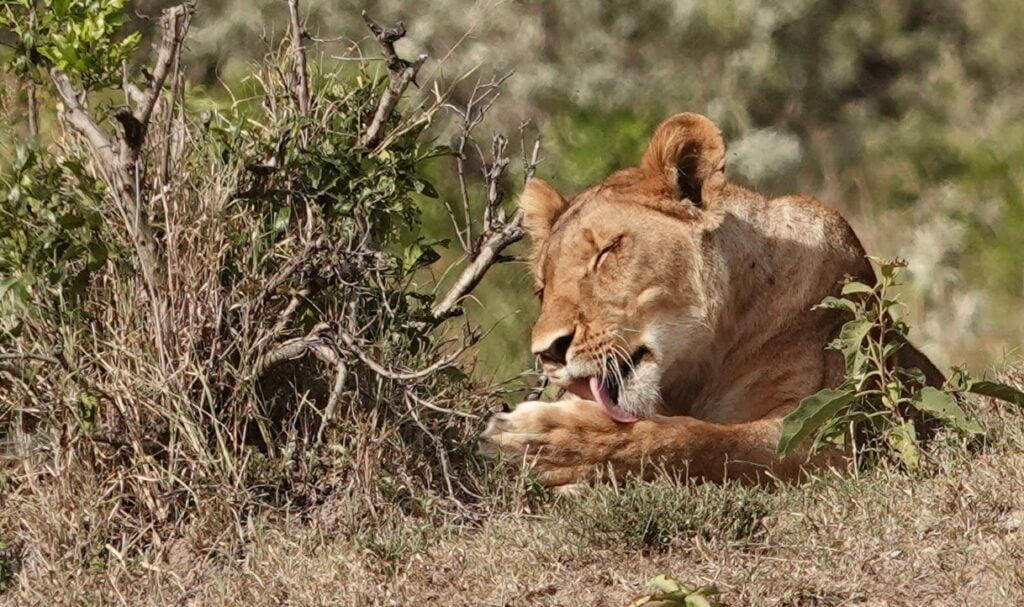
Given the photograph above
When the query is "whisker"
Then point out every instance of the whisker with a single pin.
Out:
(627, 358)
(689, 324)
(617, 367)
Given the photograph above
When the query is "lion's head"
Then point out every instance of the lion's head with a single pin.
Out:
(619, 268)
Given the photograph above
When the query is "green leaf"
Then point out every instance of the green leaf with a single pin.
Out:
(421, 254)
(943, 405)
(281, 220)
(810, 414)
(666, 584)
(60, 7)
(425, 187)
(835, 303)
(98, 255)
(696, 600)
(6, 284)
(856, 287)
(903, 440)
(851, 336)
(997, 390)
(23, 158)
(71, 221)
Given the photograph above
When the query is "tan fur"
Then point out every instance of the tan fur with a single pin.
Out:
(708, 288)
(541, 206)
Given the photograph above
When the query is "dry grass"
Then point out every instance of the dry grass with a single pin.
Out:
(954, 536)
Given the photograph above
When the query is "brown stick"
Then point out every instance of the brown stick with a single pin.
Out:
(299, 56)
(175, 22)
(400, 74)
(30, 84)
(33, 111)
(120, 170)
(78, 117)
(379, 369)
(297, 348)
(118, 178)
(498, 233)
(340, 376)
(488, 254)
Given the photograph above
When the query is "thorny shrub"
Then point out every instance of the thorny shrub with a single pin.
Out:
(210, 315)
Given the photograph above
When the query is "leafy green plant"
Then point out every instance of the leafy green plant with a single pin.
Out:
(881, 407)
(670, 591)
(52, 235)
(77, 36)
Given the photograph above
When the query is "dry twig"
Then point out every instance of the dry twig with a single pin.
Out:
(299, 57)
(499, 233)
(400, 74)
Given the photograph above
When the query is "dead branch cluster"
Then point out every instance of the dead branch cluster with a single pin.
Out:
(124, 159)
(331, 342)
(178, 370)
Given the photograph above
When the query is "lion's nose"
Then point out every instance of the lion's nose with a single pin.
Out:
(557, 349)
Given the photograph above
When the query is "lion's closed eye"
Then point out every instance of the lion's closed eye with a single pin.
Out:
(606, 250)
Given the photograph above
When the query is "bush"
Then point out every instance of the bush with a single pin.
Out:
(214, 315)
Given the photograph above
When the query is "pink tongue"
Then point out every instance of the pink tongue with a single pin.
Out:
(605, 400)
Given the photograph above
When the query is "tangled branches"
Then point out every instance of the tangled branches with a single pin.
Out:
(266, 335)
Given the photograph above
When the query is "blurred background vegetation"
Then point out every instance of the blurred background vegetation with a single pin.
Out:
(907, 116)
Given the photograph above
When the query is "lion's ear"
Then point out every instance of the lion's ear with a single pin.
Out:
(688, 149)
(541, 206)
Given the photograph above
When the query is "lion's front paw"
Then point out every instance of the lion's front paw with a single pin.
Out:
(564, 442)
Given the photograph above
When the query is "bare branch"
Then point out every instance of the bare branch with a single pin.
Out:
(30, 83)
(174, 22)
(529, 162)
(379, 369)
(315, 344)
(290, 267)
(29, 356)
(133, 92)
(489, 253)
(481, 98)
(411, 393)
(400, 74)
(493, 173)
(498, 233)
(319, 343)
(118, 177)
(76, 115)
(299, 56)
(442, 455)
(32, 108)
(340, 376)
(121, 170)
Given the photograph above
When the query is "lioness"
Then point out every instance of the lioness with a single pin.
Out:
(676, 308)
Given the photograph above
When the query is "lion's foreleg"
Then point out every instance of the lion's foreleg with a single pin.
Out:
(572, 441)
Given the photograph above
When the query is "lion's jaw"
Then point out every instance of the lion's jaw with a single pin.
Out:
(636, 374)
